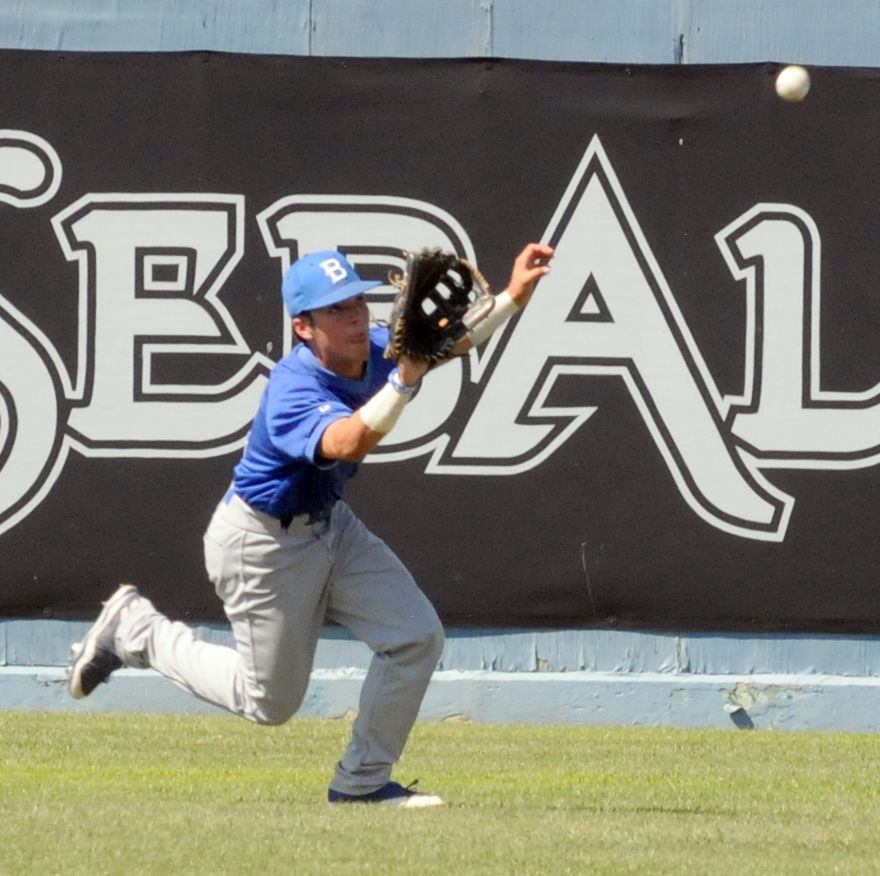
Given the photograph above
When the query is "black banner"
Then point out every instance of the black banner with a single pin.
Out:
(681, 431)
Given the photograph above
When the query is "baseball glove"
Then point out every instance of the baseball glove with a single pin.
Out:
(441, 297)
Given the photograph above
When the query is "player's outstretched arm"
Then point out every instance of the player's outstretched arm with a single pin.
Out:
(352, 438)
(528, 267)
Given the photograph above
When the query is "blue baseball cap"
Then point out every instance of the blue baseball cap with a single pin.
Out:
(319, 280)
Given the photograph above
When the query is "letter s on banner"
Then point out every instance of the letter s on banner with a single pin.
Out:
(33, 448)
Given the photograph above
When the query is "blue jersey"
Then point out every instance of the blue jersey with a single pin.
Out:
(281, 472)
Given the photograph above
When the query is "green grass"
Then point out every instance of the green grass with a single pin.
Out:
(95, 794)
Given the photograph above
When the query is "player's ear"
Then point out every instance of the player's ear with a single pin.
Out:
(303, 327)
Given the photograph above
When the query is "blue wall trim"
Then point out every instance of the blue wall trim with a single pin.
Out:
(844, 33)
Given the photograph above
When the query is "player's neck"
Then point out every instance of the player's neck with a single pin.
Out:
(353, 369)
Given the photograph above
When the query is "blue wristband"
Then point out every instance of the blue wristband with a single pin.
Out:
(399, 385)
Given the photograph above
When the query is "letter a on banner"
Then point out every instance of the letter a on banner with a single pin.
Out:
(606, 310)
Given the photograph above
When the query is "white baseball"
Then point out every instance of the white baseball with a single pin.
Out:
(793, 83)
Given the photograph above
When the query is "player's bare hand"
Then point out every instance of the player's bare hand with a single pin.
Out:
(528, 267)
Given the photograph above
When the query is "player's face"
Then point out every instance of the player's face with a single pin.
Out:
(339, 335)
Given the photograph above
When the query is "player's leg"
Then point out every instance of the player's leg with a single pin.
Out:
(131, 632)
(375, 597)
(272, 587)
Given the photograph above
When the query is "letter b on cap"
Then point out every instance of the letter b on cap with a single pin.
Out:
(333, 269)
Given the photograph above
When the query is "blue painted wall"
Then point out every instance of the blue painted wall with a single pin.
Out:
(834, 32)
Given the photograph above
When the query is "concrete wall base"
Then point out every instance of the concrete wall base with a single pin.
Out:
(766, 701)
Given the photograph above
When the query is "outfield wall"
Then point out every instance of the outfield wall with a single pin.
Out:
(589, 676)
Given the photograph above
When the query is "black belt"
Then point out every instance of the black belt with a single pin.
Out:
(308, 517)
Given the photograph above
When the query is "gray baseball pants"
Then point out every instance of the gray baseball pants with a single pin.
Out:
(278, 588)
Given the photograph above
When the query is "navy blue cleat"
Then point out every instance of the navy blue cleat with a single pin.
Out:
(391, 794)
(94, 659)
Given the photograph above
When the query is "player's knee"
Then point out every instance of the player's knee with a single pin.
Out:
(278, 708)
(419, 644)
(436, 639)
(272, 717)
(430, 640)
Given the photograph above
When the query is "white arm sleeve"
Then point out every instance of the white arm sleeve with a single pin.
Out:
(502, 310)
(380, 413)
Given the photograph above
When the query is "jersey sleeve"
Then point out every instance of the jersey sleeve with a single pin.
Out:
(297, 418)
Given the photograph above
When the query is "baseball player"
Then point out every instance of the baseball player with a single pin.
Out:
(285, 552)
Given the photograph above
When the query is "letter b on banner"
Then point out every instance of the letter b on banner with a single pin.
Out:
(372, 232)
